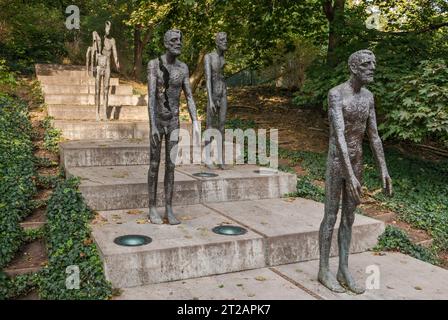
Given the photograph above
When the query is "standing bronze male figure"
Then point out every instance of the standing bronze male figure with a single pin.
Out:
(217, 95)
(167, 76)
(351, 112)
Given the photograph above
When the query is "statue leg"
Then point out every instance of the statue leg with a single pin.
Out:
(333, 187)
(221, 128)
(97, 94)
(106, 92)
(171, 142)
(344, 238)
(153, 176)
(207, 144)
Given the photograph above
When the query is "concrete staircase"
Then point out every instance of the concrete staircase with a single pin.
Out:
(111, 159)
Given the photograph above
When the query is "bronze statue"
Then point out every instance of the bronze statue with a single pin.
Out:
(167, 76)
(92, 54)
(103, 72)
(217, 96)
(351, 112)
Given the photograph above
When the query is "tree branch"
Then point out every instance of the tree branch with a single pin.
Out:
(431, 27)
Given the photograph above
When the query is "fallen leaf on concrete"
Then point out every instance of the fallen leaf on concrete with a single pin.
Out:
(289, 199)
(260, 278)
(134, 211)
(250, 295)
(418, 288)
(142, 221)
(186, 218)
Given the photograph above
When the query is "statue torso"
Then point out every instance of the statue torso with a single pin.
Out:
(355, 110)
(218, 84)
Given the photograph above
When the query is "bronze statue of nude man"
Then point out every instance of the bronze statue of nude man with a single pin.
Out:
(351, 113)
(217, 95)
(167, 77)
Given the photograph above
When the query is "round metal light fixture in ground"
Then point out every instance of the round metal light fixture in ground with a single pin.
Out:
(205, 174)
(229, 230)
(132, 240)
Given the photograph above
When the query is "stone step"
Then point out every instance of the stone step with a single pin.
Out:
(124, 152)
(52, 68)
(126, 187)
(89, 99)
(87, 112)
(242, 285)
(72, 80)
(84, 89)
(401, 277)
(120, 129)
(279, 231)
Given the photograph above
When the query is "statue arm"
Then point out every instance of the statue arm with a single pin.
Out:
(189, 96)
(337, 121)
(377, 148)
(89, 49)
(152, 84)
(114, 51)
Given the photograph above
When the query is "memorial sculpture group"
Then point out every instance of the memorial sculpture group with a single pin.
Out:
(98, 66)
(351, 114)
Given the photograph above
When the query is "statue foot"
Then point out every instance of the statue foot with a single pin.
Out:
(347, 281)
(154, 216)
(329, 281)
(170, 216)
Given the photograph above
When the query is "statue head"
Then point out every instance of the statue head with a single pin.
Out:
(362, 65)
(173, 41)
(108, 25)
(221, 41)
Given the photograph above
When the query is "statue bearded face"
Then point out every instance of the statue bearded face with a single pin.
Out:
(173, 42)
(363, 67)
(221, 41)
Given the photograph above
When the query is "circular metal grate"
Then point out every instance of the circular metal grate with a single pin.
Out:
(132, 240)
(229, 230)
(205, 174)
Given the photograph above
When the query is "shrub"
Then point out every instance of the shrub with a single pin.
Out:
(69, 244)
(16, 174)
(395, 239)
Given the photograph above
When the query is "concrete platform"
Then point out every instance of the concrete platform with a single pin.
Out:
(194, 236)
(89, 99)
(120, 129)
(176, 252)
(72, 80)
(106, 152)
(88, 112)
(231, 286)
(296, 222)
(83, 89)
(401, 277)
(124, 187)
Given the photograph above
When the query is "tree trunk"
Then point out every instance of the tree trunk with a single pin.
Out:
(334, 11)
(138, 54)
(198, 73)
(139, 45)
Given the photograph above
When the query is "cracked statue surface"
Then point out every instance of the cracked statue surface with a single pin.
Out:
(351, 113)
(167, 77)
(217, 96)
